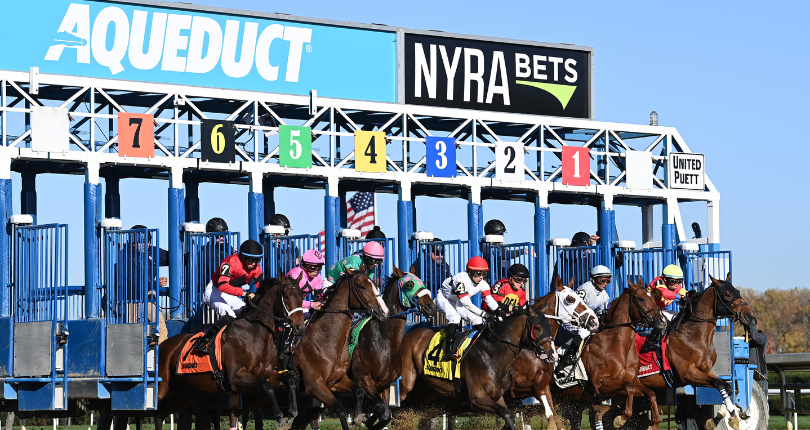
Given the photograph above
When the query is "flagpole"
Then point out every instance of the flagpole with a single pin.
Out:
(375, 207)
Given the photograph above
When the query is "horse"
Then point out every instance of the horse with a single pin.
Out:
(530, 375)
(690, 344)
(322, 356)
(249, 355)
(611, 361)
(375, 363)
(485, 365)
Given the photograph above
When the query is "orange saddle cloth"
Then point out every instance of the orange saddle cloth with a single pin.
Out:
(196, 362)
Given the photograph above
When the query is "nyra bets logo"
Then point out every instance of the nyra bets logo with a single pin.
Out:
(148, 40)
(473, 74)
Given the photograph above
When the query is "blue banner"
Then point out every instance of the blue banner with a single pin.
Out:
(187, 47)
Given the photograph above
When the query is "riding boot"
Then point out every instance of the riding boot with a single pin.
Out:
(201, 345)
(570, 354)
(651, 343)
(450, 341)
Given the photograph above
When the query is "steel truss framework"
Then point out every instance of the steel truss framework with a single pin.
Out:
(94, 104)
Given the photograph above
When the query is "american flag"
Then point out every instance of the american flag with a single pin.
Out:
(359, 214)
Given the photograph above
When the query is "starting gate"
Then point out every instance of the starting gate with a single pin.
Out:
(382, 271)
(437, 261)
(39, 294)
(285, 252)
(132, 316)
(205, 253)
(503, 256)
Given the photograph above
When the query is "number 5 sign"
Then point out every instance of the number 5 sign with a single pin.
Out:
(509, 165)
(440, 156)
(576, 166)
(136, 135)
(369, 151)
(295, 146)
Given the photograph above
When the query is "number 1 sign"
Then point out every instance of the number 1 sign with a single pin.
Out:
(440, 156)
(295, 146)
(509, 165)
(576, 166)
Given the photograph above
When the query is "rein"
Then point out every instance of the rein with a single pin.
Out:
(285, 319)
(353, 291)
(735, 316)
(529, 327)
(645, 316)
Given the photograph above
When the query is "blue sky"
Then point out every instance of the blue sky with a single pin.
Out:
(730, 76)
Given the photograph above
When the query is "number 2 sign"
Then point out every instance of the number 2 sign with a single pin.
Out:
(136, 135)
(576, 166)
(295, 146)
(440, 156)
(509, 165)
(369, 151)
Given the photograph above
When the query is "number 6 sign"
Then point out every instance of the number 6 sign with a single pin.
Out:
(509, 165)
(440, 156)
(295, 146)
(576, 166)
(217, 141)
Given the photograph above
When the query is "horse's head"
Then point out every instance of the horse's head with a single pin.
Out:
(643, 307)
(539, 336)
(729, 303)
(364, 294)
(413, 293)
(290, 302)
(571, 307)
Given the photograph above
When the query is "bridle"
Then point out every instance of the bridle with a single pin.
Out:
(412, 305)
(567, 313)
(535, 343)
(366, 307)
(284, 320)
(732, 311)
(646, 314)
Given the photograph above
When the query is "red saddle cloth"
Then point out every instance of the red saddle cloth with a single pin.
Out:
(196, 362)
(649, 363)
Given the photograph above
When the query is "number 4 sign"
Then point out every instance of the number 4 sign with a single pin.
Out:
(576, 166)
(295, 146)
(136, 135)
(509, 165)
(440, 156)
(369, 151)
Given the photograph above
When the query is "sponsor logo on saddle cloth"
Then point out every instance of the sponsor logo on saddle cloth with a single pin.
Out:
(435, 366)
(649, 362)
(194, 362)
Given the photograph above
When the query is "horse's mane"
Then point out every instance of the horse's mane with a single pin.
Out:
(332, 290)
(389, 286)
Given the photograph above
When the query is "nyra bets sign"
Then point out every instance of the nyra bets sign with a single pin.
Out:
(686, 171)
(495, 76)
(185, 46)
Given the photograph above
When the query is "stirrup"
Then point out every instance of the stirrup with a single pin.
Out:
(201, 345)
(649, 347)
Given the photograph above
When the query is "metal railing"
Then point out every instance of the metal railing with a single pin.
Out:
(436, 262)
(205, 253)
(285, 252)
(39, 273)
(131, 269)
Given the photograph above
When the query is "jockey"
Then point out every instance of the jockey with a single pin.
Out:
(665, 289)
(311, 280)
(510, 292)
(593, 292)
(372, 255)
(232, 280)
(454, 300)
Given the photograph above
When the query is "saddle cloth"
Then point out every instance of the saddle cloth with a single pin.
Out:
(354, 334)
(195, 361)
(649, 362)
(571, 375)
(434, 364)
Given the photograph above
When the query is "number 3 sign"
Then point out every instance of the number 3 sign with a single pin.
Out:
(509, 165)
(576, 166)
(440, 156)
(369, 151)
(295, 146)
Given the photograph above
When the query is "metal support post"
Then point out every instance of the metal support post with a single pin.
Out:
(714, 226)
(647, 227)
(669, 242)
(405, 225)
(92, 215)
(112, 197)
(475, 229)
(5, 247)
(344, 210)
(607, 228)
(269, 201)
(28, 194)
(255, 207)
(542, 221)
(175, 246)
(192, 201)
(331, 228)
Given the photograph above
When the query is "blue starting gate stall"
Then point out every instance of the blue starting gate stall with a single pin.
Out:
(501, 256)
(436, 261)
(39, 316)
(351, 244)
(284, 252)
(132, 316)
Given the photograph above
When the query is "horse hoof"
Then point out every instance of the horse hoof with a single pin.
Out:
(552, 424)
(734, 422)
(710, 424)
(619, 421)
(284, 424)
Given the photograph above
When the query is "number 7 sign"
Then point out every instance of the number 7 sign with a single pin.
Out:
(576, 166)
(136, 135)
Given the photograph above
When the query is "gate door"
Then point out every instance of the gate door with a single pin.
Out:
(382, 271)
(132, 313)
(439, 261)
(285, 252)
(503, 256)
(205, 253)
(39, 293)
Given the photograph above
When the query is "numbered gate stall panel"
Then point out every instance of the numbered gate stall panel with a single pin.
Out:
(434, 263)
(132, 259)
(283, 253)
(39, 293)
(295, 146)
(205, 251)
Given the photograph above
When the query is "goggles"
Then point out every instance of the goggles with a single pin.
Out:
(520, 279)
(474, 273)
(671, 281)
(602, 280)
(254, 260)
(312, 267)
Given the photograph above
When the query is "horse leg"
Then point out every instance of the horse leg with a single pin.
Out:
(630, 391)
(243, 380)
(359, 395)
(232, 419)
(598, 412)
(484, 402)
(650, 395)
(321, 392)
(544, 395)
(710, 379)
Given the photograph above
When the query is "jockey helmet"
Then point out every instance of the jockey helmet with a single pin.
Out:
(376, 233)
(600, 271)
(673, 272)
(373, 250)
(494, 226)
(279, 219)
(477, 264)
(251, 249)
(313, 256)
(518, 270)
(580, 239)
(215, 225)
